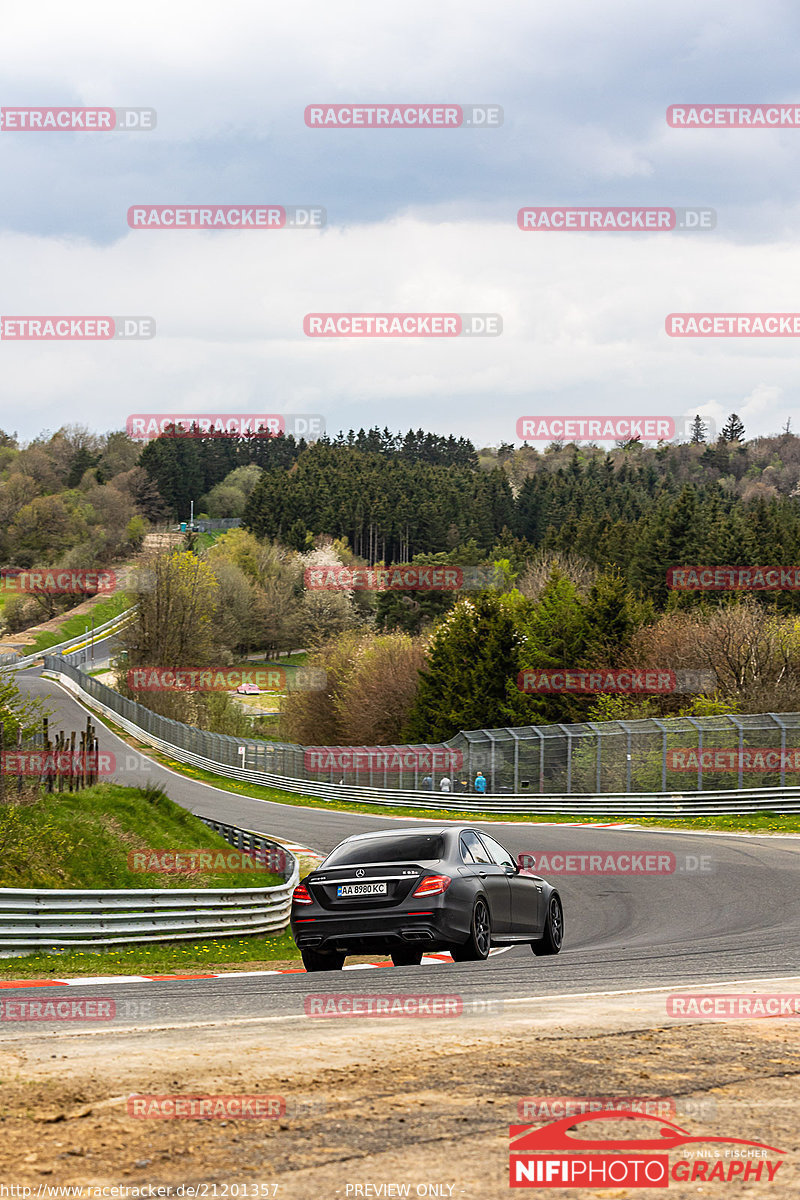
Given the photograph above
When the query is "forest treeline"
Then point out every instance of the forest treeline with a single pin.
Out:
(570, 546)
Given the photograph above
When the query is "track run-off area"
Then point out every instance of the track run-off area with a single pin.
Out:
(730, 909)
(422, 1106)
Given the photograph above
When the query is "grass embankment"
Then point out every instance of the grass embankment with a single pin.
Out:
(153, 958)
(72, 627)
(84, 841)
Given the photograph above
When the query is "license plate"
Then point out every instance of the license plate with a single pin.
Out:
(361, 889)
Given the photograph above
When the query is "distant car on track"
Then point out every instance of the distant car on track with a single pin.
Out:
(407, 891)
(248, 689)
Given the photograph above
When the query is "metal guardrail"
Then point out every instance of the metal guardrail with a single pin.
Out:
(61, 919)
(627, 804)
(19, 663)
(658, 756)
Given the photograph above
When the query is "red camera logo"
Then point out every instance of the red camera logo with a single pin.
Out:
(557, 1155)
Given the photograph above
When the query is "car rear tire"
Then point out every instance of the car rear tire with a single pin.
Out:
(553, 937)
(477, 946)
(314, 961)
(406, 957)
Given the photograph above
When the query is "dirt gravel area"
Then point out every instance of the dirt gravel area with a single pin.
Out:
(420, 1105)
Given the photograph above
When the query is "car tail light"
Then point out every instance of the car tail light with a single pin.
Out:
(301, 895)
(432, 885)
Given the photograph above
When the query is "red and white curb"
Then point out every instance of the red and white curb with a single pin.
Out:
(428, 960)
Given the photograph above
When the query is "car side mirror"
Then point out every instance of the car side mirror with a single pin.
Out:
(525, 862)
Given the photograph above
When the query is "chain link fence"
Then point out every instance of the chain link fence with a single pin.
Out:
(675, 754)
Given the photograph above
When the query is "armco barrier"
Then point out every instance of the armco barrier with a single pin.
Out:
(17, 663)
(59, 919)
(232, 756)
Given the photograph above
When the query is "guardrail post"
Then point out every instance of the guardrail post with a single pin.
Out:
(569, 762)
(516, 760)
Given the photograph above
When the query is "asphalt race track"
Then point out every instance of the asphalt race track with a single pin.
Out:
(731, 910)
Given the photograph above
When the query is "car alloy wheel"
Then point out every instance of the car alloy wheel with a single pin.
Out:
(551, 940)
(480, 936)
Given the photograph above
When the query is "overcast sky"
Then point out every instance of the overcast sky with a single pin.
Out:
(417, 221)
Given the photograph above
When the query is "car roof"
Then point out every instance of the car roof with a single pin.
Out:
(428, 831)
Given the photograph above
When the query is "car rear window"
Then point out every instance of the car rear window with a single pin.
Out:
(387, 849)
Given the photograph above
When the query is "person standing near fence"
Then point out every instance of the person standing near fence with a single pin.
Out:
(480, 783)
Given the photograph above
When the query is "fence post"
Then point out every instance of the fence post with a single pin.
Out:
(516, 761)
(569, 761)
(19, 751)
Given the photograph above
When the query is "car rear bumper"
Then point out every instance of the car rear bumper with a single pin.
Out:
(380, 933)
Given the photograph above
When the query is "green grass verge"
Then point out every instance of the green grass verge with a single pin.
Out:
(72, 627)
(766, 822)
(152, 958)
(285, 660)
(84, 840)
